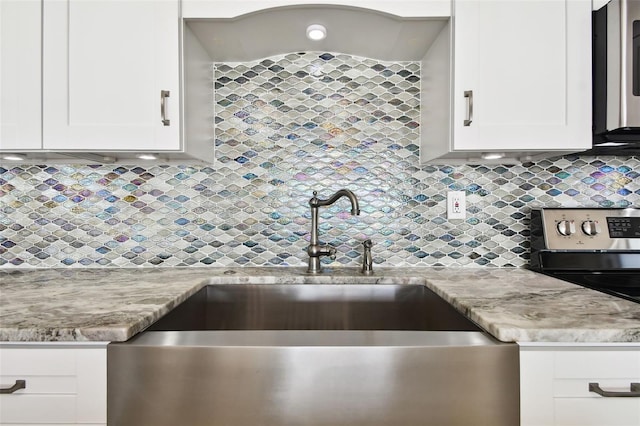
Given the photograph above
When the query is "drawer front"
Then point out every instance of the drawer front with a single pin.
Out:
(575, 405)
(63, 385)
(612, 370)
(555, 386)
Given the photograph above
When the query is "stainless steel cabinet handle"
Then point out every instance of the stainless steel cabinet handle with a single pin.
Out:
(19, 384)
(164, 94)
(468, 94)
(634, 391)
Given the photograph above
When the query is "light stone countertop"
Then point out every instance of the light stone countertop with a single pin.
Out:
(115, 304)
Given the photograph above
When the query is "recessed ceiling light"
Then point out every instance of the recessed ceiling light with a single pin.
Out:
(316, 32)
(147, 156)
(492, 155)
(14, 157)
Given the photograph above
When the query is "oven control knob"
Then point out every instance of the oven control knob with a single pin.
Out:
(566, 227)
(591, 227)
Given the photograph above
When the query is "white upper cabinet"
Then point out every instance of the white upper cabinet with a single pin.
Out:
(95, 80)
(520, 81)
(111, 75)
(84, 77)
(20, 87)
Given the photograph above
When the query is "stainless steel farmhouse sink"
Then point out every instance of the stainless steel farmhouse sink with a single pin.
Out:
(250, 355)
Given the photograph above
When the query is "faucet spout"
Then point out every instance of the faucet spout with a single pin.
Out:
(315, 250)
(355, 208)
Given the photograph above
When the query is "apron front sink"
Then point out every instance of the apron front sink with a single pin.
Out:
(313, 355)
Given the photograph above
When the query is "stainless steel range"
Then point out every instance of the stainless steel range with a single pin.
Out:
(595, 248)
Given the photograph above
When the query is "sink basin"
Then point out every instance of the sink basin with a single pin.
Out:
(247, 355)
(314, 307)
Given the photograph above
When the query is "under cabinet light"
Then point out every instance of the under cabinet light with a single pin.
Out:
(14, 157)
(147, 156)
(492, 155)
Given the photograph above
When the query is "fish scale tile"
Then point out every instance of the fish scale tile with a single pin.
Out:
(286, 126)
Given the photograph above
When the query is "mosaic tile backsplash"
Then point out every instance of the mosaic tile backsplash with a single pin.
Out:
(287, 126)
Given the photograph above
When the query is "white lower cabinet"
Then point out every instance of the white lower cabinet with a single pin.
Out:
(64, 384)
(554, 385)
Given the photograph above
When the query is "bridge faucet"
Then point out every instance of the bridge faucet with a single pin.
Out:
(315, 250)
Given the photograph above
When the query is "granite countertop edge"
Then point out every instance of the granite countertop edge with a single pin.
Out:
(114, 304)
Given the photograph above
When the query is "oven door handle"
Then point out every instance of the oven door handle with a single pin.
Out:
(633, 392)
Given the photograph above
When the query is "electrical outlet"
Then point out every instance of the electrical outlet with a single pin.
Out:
(456, 205)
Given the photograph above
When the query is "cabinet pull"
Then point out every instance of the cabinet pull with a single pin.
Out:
(634, 390)
(164, 94)
(19, 384)
(468, 94)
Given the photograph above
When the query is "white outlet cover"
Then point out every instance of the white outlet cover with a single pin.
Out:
(456, 205)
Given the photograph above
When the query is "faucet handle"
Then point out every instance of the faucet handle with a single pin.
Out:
(367, 260)
(332, 253)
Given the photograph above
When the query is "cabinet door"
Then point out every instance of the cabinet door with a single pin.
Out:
(528, 66)
(106, 64)
(20, 60)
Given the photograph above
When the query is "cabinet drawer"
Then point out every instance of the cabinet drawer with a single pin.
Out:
(555, 386)
(63, 385)
(50, 394)
(613, 370)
